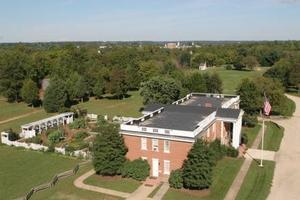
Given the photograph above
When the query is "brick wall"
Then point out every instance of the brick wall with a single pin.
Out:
(176, 156)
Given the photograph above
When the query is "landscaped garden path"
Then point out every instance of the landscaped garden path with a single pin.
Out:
(287, 174)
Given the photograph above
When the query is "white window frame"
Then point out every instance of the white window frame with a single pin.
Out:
(143, 143)
(155, 146)
(167, 150)
(167, 163)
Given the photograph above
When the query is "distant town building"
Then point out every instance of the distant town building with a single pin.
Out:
(171, 45)
(44, 84)
(166, 133)
(203, 66)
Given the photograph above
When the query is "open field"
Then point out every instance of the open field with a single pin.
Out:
(113, 183)
(258, 182)
(20, 169)
(273, 136)
(232, 78)
(128, 107)
(251, 133)
(15, 124)
(223, 176)
(9, 110)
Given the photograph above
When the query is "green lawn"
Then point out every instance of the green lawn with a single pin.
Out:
(223, 176)
(21, 169)
(128, 107)
(65, 190)
(251, 133)
(273, 136)
(232, 78)
(258, 182)
(15, 124)
(114, 183)
(9, 110)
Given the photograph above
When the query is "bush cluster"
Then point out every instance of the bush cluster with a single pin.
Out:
(137, 169)
(175, 179)
(12, 136)
(249, 120)
(78, 123)
(54, 137)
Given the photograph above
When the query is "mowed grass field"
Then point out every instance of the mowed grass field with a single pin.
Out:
(232, 78)
(223, 176)
(21, 169)
(9, 110)
(258, 182)
(129, 107)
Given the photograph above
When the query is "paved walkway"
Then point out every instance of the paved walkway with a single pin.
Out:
(141, 193)
(286, 179)
(256, 154)
(20, 116)
(162, 191)
(239, 179)
(79, 183)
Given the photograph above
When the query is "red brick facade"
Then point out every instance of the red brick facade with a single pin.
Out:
(177, 152)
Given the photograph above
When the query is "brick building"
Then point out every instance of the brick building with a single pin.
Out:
(166, 133)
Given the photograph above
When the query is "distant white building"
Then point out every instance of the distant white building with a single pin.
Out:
(203, 66)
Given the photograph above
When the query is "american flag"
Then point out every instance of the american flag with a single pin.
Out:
(267, 106)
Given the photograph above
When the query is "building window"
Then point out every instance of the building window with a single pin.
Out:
(166, 146)
(144, 158)
(167, 132)
(155, 145)
(144, 129)
(144, 143)
(166, 167)
(155, 130)
(208, 133)
(214, 127)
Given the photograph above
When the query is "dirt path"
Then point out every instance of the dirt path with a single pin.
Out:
(286, 179)
(19, 116)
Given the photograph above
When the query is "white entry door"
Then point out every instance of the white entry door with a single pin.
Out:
(155, 167)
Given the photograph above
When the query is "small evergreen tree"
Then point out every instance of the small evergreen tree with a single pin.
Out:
(55, 99)
(213, 83)
(98, 89)
(175, 179)
(29, 92)
(109, 150)
(197, 169)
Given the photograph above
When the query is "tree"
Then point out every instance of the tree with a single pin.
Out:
(109, 150)
(80, 88)
(55, 99)
(251, 99)
(98, 89)
(195, 83)
(250, 62)
(30, 92)
(294, 76)
(12, 73)
(160, 90)
(214, 83)
(118, 85)
(197, 169)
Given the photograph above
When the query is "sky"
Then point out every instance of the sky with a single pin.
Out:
(152, 20)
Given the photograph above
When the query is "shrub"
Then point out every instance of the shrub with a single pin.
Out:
(228, 67)
(197, 169)
(218, 149)
(78, 123)
(249, 120)
(81, 135)
(175, 179)
(51, 148)
(244, 138)
(137, 169)
(232, 152)
(36, 140)
(54, 137)
(12, 136)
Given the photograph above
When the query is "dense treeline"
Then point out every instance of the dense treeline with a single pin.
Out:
(78, 72)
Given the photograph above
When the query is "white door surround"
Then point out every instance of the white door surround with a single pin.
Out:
(155, 167)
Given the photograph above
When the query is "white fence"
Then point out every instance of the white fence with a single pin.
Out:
(38, 147)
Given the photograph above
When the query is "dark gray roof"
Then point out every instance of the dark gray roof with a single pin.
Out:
(152, 107)
(228, 113)
(179, 117)
(204, 101)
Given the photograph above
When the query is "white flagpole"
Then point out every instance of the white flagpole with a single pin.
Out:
(262, 142)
